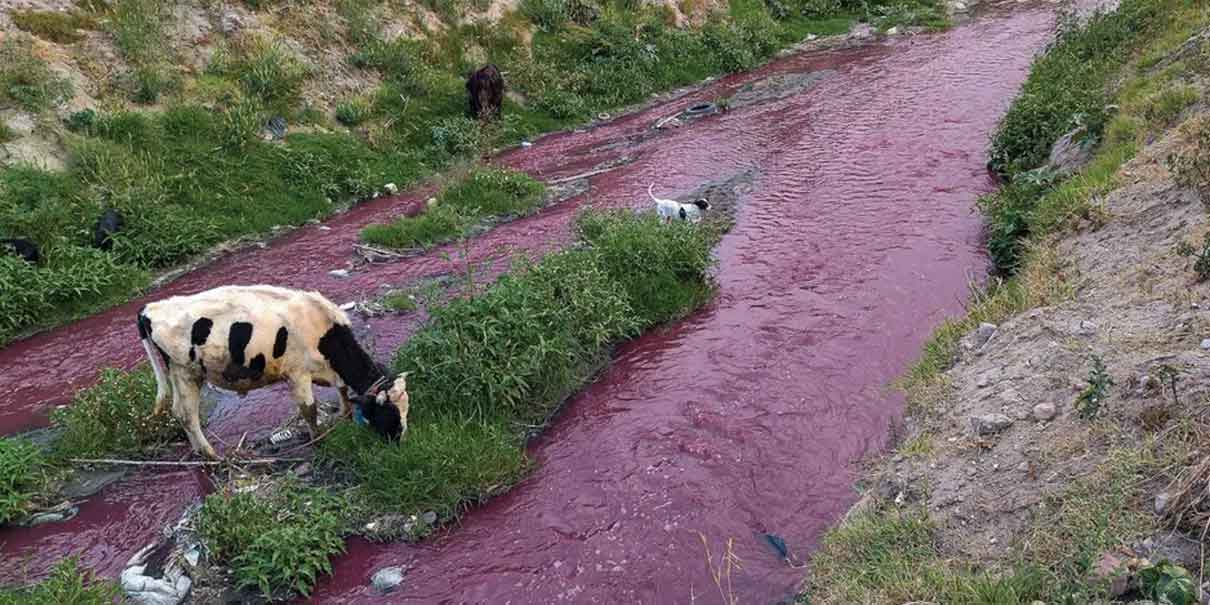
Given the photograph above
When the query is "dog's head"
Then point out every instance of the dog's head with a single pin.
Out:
(701, 203)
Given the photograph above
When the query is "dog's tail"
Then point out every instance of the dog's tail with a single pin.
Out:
(652, 195)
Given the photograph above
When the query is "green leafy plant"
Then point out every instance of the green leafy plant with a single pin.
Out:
(1168, 584)
(1089, 402)
(279, 539)
(20, 465)
(67, 583)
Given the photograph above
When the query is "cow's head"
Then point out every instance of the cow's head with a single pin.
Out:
(385, 408)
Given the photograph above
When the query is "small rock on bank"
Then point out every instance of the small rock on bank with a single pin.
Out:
(387, 578)
(1044, 412)
(990, 424)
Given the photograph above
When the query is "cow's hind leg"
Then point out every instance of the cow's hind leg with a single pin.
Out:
(300, 388)
(186, 405)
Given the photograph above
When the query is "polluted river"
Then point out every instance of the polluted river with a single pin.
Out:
(854, 172)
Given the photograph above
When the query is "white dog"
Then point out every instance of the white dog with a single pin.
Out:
(670, 210)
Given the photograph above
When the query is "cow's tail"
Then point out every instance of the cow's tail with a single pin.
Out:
(162, 389)
(651, 195)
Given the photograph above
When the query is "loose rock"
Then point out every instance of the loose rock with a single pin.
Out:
(1161, 502)
(1206, 344)
(387, 578)
(1044, 412)
(340, 273)
(990, 424)
(391, 188)
(1071, 152)
(974, 341)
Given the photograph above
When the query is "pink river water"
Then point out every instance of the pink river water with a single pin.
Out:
(855, 237)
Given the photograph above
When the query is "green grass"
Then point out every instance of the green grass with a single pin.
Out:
(891, 556)
(485, 193)
(139, 29)
(279, 542)
(56, 26)
(21, 464)
(488, 367)
(67, 583)
(264, 68)
(26, 81)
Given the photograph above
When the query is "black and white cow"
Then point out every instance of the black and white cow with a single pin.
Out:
(246, 337)
(108, 224)
(22, 248)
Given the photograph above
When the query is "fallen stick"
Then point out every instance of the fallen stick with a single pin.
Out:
(313, 441)
(183, 462)
(585, 175)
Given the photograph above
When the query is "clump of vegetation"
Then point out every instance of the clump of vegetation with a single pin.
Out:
(20, 465)
(1192, 168)
(26, 80)
(114, 417)
(280, 541)
(264, 68)
(1167, 582)
(67, 583)
(484, 193)
(1201, 262)
(548, 327)
(1088, 403)
(138, 28)
(353, 112)
(6, 133)
(56, 26)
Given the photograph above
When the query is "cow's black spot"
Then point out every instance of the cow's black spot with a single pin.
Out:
(201, 331)
(237, 341)
(684, 215)
(354, 366)
(192, 353)
(279, 343)
(258, 365)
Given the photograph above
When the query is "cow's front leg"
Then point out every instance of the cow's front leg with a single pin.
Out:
(300, 388)
(346, 408)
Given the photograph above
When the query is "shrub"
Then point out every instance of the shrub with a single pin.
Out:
(148, 83)
(26, 80)
(56, 26)
(1201, 262)
(20, 465)
(457, 136)
(67, 583)
(114, 417)
(1088, 404)
(435, 225)
(549, 15)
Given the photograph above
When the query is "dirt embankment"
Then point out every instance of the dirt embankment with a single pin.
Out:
(1027, 450)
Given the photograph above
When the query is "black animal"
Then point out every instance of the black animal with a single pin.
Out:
(485, 89)
(102, 233)
(21, 247)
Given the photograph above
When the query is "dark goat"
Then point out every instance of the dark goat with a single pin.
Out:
(486, 91)
(21, 247)
(102, 233)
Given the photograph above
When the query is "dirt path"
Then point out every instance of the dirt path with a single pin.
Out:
(854, 238)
